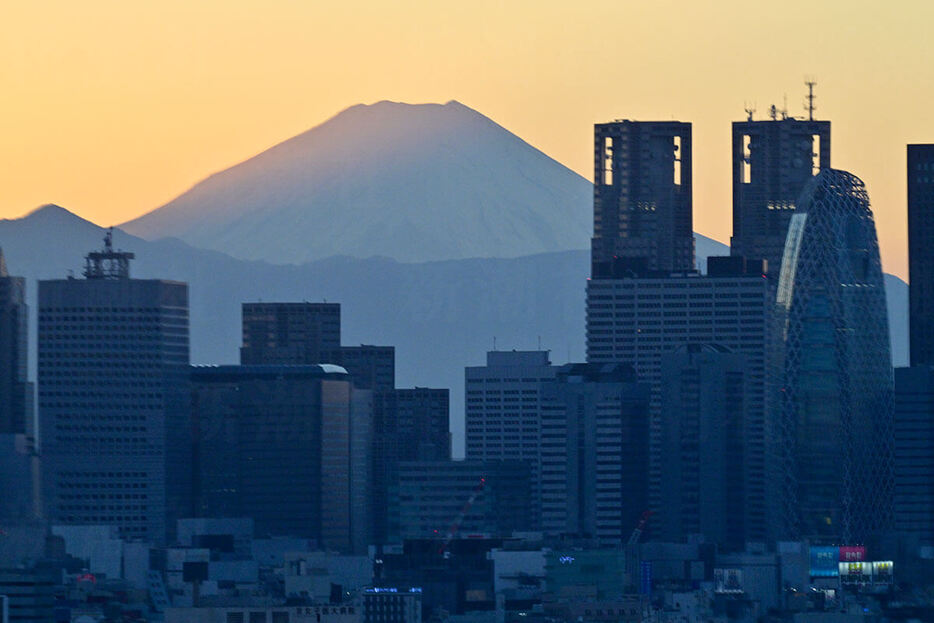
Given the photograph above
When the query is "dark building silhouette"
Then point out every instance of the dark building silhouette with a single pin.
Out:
(15, 390)
(408, 425)
(704, 410)
(594, 451)
(289, 333)
(642, 198)
(914, 452)
(921, 253)
(772, 161)
(113, 398)
(427, 498)
(838, 388)
(287, 446)
(308, 334)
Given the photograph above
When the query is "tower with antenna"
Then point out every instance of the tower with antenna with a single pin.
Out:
(108, 264)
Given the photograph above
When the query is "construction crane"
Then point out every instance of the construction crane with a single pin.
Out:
(456, 524)
(634, 537)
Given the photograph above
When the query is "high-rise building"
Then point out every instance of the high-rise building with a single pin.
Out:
(288, 446)
(914, 452)
(113, 398)
(921, 253)
(642, 198)
(503, 410)
(427, 499)
(15, 390)
(408, 425)
(704, 408)
(772, 161)
(309, 334)
(594, 451)
(289, 333)
(639, 320)
(837, 389)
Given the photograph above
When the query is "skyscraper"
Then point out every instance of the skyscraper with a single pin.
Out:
(772, 161)
(286, 445)
(704, 408)
(289, 333)
(921, 253)
(15, 390)
(113, 398)
(639, 320)
(914, 452)
(838, 403)
(642, 198)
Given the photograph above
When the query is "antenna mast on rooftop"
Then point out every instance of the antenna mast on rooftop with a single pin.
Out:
(810, 82)
(750, 110)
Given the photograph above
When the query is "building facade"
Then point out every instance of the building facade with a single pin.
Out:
(921, 253)
(704, 407)
(772, 161)
(288, 446)
(15, 389)
(503, 410)
(838, 388)
(594, 452)
(914, 452)
(642, 198)
(289, 333)
(113, 399)
(408, 425)
(639, 320)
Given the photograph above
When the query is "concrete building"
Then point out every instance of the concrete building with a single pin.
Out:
(408, 425)
(704, 406)
(503, 410)
(372, 367)
(914, 453)
(920, 253)
(594, 452)
(391, 605)
(265, 613)
(113, 398)
(288, 446)
(491, 498)
(30, 594)
(289, 333)
(772, 161)
(642, 198)
(639, 320)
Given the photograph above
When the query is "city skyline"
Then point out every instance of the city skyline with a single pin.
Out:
(155, 100)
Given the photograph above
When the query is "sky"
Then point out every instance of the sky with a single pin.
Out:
(113, 108)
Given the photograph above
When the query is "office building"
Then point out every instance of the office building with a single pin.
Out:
(15, 390)
(704, 406)
(408, 425)
(639, 320)
(914, 452)
(288, 446)
(392, 605)
(503, 410)
(289, 333)
(594, 452)
(29, 593)
(642, 198)
(453, 499)
(308, 334)
(921, 253)
(113, 398)
(772, 161)
(838, 388)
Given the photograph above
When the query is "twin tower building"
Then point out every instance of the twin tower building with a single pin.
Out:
(771, 407)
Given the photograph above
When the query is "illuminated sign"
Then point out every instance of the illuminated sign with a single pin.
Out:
(851, 553)
(824, 562)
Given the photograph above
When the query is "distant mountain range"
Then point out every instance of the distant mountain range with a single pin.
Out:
(441, 316)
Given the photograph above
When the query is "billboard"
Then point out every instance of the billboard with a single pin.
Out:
(882, 571)
(825, 561)
(852, 553)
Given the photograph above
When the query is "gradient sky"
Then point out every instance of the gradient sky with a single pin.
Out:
(112, 108)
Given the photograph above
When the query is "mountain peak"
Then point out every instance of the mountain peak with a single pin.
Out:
(413, 182)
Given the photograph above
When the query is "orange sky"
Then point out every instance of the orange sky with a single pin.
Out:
(111, 108)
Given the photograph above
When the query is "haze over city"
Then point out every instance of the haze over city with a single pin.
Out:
(113, 109)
